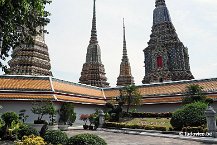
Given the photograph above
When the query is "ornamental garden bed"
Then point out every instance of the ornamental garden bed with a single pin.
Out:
(161, 124)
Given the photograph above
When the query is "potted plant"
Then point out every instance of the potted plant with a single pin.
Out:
(94, 120)
(91, 120)
(41, 109)
(52, 115)
(72, 118)
(84, 117)
(67, 116)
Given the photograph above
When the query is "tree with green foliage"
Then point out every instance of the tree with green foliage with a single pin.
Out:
(18, 22)
(67, 114)
(44, 108)
(130, 95)
(194, 93)
(189, 115)
(23, 116)
(11, 125)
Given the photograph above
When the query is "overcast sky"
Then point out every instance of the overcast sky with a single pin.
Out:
(195, 22)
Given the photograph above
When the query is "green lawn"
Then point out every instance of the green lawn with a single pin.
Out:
(149, 121)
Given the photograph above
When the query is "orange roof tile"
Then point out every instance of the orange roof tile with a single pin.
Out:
(24, 83)
(169, 99)
(176, 88)
(12, 96)
(77, 89)
(168, 88)
(111, 93)
(66, 91)
(80, 100)
(162, 100)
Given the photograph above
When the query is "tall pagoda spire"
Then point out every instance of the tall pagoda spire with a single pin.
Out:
(124, 44)
(125, 77)
(93, 72)
(31, 59)
(93, 38)
(166, 58)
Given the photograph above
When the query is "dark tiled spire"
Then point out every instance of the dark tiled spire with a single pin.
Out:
(31, 60)
(125, 57)
(161, 13)
(125, 78)
(93, 72)
(160, 3)
(93, 38)
(166, 58)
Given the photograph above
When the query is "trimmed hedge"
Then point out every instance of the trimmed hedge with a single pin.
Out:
(147, 115)
(86, 139)
(56, 137)
(26, 130)
(199, 129)
(190, 115)
(133, 126)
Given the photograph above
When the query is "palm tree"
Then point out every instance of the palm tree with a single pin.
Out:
(130, 95)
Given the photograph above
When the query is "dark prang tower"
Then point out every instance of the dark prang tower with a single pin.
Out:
(166, 58)
(31, 60)
(93, 72)
(125, 78)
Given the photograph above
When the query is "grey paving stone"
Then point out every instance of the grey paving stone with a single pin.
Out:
(132, 139)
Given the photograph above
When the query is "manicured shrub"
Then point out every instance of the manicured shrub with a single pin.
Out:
(26, 130)
(55, 137)
(9, 117)
(190, 115)
(189, 129)
(177, 120)
(133, 126)
(147, 115)
(31, 140)
(86, 139)
(159, 128)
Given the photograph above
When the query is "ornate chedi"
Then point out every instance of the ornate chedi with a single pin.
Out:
(93, 72)
(125, 78)
(31, 60)
(166, 58)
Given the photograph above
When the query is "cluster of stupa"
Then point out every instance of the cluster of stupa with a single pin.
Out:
(166, 58)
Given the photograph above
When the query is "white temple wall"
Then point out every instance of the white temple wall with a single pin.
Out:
(16, 106)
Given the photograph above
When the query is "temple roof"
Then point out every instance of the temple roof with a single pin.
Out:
(27, 88)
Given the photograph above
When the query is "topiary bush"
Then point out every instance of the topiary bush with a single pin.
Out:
(55, 137)
(26, 130)
(190, 115)
(11, 124)
(86, 139)
(31, 140)
(177, 120)
(189, 129)
(9, 117)
(147, 115)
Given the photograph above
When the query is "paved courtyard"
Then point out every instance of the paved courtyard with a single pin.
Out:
(126, 139)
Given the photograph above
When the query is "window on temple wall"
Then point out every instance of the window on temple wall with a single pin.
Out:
(159, 61)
